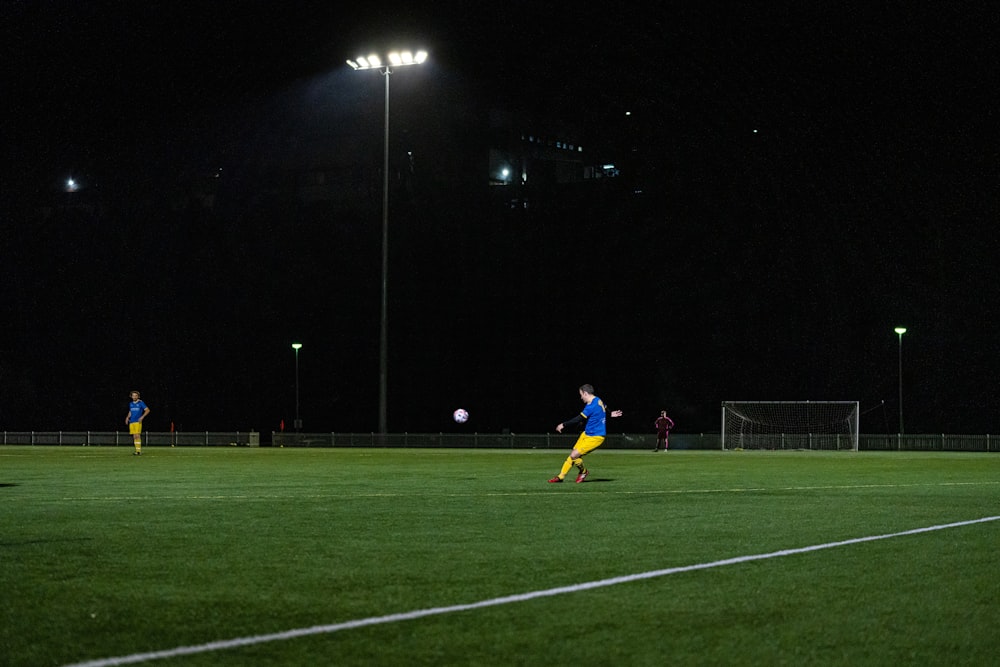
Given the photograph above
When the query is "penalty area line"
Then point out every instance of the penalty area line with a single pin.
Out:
(222, 645)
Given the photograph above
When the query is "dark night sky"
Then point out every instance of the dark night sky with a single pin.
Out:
(818, 176)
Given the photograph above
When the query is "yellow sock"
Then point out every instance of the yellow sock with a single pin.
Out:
(567, 464)
(579, 464)
(138, 445)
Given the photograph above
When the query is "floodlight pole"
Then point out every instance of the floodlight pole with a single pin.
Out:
(383, 339)
(900, 331)
(375, 62)
(298, 421)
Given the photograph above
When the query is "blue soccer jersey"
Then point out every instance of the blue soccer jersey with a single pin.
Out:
(594, 414)
(135, 410)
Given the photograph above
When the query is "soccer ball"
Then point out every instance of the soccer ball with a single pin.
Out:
(460, 416)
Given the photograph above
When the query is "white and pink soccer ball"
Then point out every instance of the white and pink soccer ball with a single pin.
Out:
(460, 416)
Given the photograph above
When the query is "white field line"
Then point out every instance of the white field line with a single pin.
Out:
(224, 644)
(378, 494)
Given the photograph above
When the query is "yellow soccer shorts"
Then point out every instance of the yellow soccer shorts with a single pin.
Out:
(588, 443)
(135, 428)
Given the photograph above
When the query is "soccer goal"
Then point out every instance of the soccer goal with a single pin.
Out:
(826, 425)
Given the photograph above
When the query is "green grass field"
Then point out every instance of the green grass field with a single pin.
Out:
(106, 558)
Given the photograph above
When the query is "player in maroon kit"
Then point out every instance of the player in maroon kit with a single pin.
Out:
(663, 424)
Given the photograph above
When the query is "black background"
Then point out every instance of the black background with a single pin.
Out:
(811, 178)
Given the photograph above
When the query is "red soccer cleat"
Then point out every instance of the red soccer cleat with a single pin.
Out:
(582, 476)
(555, 480)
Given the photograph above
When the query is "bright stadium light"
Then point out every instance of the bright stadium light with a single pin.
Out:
(395, 58)
(373, 61)
(900, 331)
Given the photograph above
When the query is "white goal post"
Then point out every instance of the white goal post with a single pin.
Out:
(826, 425)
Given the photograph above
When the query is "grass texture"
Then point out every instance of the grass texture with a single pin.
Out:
(106, 557)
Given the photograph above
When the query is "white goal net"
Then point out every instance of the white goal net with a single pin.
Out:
(829, 425)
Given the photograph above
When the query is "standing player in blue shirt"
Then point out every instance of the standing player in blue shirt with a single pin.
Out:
(592, 436)
(137, 411)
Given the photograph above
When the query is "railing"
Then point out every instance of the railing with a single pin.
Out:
(638, 441)
(120, 438)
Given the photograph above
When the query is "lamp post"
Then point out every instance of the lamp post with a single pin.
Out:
(298, 421)
(395, 59)
(900, 331)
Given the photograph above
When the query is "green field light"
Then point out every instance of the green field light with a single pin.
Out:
(298, 418)
(900, 331)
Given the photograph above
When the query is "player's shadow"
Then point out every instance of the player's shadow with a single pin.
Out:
(599, 479)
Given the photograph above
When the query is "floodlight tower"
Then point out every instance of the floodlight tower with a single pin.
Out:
(900, 331)
(375, 62)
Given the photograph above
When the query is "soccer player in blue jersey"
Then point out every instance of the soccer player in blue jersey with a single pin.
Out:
(591, 438)
(137, 411)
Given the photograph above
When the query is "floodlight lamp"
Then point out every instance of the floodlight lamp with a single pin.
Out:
(374, 61)
(900, 330)
(296, 346)
(396, 59)
(420, 57)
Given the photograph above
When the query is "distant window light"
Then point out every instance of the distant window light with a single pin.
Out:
(579, 149)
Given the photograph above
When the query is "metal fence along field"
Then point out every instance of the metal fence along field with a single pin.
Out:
(930, 442)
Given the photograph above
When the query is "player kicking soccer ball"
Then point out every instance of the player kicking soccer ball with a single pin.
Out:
(591, 438)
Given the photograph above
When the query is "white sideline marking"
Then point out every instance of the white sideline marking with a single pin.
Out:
(493, 602)
(353, 495)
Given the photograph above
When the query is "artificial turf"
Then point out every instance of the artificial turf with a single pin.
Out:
(106, 556)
